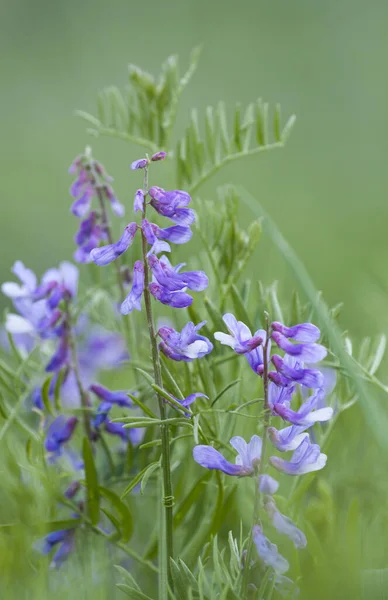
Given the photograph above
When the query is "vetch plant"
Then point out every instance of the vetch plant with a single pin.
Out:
(161, 425)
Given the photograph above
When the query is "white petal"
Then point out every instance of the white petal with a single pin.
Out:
(225, 339)
(17, 324)
(195, 348)
(13, 290)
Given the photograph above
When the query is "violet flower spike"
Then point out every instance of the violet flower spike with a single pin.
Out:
(247, 459)
(132, 301)
(185, 346)
(306, 458)
(107, 254)
(239, 338)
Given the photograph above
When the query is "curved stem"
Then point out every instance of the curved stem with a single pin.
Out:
(168, 499)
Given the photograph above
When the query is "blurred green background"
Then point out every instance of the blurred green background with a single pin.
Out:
(323, 61)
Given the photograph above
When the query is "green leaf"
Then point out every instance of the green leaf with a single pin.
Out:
(224, 390)
(222, 127)
(88, 117)
(126, 520)
(131, 592)
(115, 536)
(143, 407)
(92, 491)
(276, 123)
(210, 133)
(170, 399)
(214, 314)
(261, 122)
(137, 479)
(45, 396)
(237, 128)
(288, 128)
(378, 355)
(151, 469)
(127, 577)
(180, 581)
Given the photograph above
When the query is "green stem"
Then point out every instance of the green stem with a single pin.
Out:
(168, 498)
(262, 465)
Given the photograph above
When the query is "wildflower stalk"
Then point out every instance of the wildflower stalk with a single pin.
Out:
(74, 364)
(168, 498)
(261, 469)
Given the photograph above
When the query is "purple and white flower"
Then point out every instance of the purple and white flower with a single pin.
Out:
(187, 345)
(247, 459)
(239, 338)
(306, 458)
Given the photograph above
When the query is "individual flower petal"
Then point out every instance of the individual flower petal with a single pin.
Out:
(15, 324)
(306, 415)
(306, 458)
(268, 485)
(66, 275)
(311, 378)
(106, 254)
(133, 299)
(171, 280)
(172, 205)
(248, 454)
(173, 299)
(139, 164)
(284, 525)
(209, 457)
(64, 550)
(138, 202)
(256, 356)
(177, 234)
(117, 207)
(240, 338)
(268, 552)
(305, 332)
(311, 353)
(60, 357)
(59, 432)
(81, 206)
(288, 438)
(159, 156)
(187, 345)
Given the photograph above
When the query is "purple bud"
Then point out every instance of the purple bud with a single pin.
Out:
(159, 156)
(139, 164)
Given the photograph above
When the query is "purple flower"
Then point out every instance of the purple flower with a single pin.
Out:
(306, 415)
(61, 356)
(159, 156)
(72, 490)
(138, 203)
(189, 400)
(120, 398)
(289, 438)
(173, 299)
(66, 539)
(311, 353)
(59, 432)
(247, 459)
(133, 299)
(158, 238)
(81, 205)
(185, 346)
(105, 255)
(88, 237)
(172, 280)
(291, 370)
(27, 279)
(305, 332)
(268, 485)
(268, 552)
(66, 276)
(157, 245)
(239, 338)
(139, 164)
(134, 435)
(117, 207)
(255, 358)
(279, 395)
(172, 205)
(306, 458)
(284, 525)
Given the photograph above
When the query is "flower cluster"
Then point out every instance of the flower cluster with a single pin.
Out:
(293, 371)
(91, 181)
(169, 283)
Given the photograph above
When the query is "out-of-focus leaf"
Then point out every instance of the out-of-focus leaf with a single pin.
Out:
(92, 491)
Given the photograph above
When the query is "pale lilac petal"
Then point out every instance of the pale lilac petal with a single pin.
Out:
(81, 206)
(268, 552)
(288, 438)
(138, 203)
(173, 299)
(254, 450)
(133, 300)
(209, 457)
(139, 164)
(306, 458)
(241, 446)
(285, 525)
(26, 276)
(304, 332)
(15, 324)
(268, 485)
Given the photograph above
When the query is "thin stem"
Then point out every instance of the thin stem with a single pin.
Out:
(75, 366)
(168, 499)
(262, 465)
